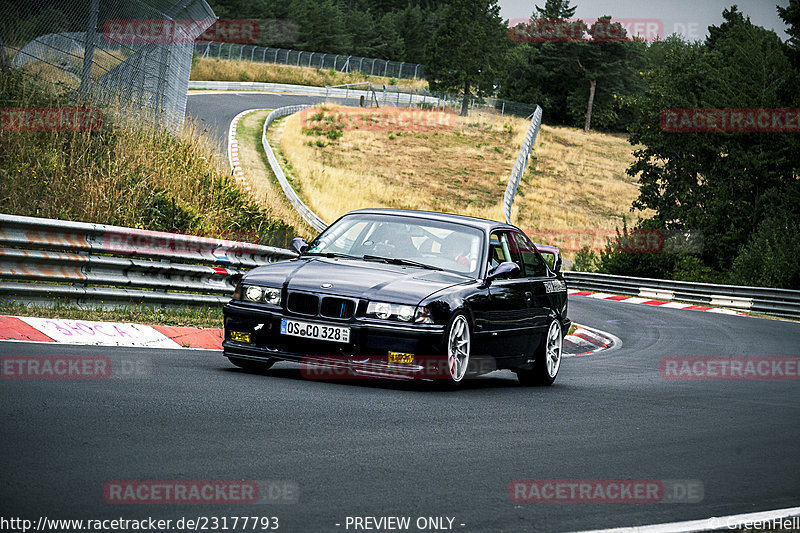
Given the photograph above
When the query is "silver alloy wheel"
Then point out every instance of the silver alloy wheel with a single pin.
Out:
(458, 348)
(553, 349)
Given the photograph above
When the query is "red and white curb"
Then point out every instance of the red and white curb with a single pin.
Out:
(91, 333)
(583, 341)
(655, 303)
(233, 150)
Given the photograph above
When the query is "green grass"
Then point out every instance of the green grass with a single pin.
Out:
(198, 317)
(126, 174)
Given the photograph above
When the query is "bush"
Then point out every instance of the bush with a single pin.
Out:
(616, 260)
(691, 268)
(585, 260)
(771, 258)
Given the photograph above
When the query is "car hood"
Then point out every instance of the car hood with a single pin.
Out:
(354, 278)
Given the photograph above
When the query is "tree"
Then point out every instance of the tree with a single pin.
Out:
(720, 185)
(467, 49)
(791, 16)
(322, 26)
(608, 63)
(555, 9)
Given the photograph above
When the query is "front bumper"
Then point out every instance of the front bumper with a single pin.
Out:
(366, 355)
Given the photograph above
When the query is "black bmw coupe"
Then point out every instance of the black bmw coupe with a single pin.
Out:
(404, 294)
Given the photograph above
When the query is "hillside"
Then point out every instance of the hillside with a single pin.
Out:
(345, 158)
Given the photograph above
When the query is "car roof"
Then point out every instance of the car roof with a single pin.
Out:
(480, 223)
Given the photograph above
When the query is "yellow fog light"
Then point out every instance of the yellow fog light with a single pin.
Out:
(398, 357)
(240, 336)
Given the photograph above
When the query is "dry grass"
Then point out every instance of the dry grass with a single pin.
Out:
(215, 69)
(265, 188)
(576, 181)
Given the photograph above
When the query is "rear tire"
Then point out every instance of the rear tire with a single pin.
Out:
(253, 366)
(548, 359)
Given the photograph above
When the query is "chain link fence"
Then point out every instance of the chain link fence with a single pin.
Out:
(375, 95)
(297, 58)
(135, 54)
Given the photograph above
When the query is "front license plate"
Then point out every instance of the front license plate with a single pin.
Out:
(310, 330)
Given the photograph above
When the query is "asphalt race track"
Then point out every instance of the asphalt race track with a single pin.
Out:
(367, 448)
(215, 110)
(372, 448)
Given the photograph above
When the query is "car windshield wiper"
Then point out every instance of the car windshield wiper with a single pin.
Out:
(399, 261)
(331, 254)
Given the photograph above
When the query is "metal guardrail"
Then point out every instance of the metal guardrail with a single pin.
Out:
(45, 261)
(521, 163)
(308, 215)
(387, 95)
(778, 302)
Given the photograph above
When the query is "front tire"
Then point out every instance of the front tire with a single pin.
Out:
(253, 366)
(459, 341)
(548, 359)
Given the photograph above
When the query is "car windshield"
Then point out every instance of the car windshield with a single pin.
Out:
(402, 240)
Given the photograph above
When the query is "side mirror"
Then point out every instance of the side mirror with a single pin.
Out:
(299, 245)
(503, 270)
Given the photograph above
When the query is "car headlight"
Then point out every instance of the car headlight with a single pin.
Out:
(268, 295)
(387, 311)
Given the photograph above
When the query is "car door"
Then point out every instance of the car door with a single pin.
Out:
(536, 274)
(508, 313)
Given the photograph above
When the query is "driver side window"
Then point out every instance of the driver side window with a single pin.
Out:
(533, 264)
(501, 249)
